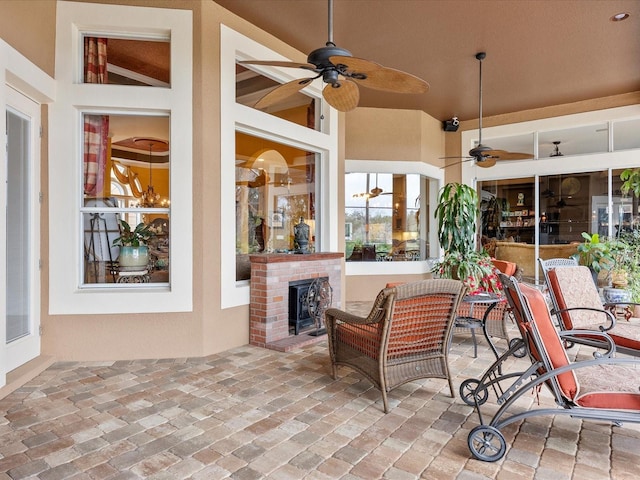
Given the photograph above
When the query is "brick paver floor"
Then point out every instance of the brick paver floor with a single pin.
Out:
(252, 413)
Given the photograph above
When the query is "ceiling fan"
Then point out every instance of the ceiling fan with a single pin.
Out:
(484, 155)
(373, 193)
(342, 73)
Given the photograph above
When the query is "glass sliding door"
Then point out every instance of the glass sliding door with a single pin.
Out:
(22, 312)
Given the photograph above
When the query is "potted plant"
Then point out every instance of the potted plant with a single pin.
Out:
(595, 254)
(630, 181)
(134, 252)
(457, 214)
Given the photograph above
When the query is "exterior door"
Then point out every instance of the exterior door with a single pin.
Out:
(22, 275)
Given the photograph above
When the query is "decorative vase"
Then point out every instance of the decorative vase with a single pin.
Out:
(616, 295)
(134, 258)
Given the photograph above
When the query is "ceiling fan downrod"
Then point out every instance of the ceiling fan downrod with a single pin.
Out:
(480, 56)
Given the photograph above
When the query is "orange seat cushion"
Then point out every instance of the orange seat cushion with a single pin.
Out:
(508, 268)
(550, 339)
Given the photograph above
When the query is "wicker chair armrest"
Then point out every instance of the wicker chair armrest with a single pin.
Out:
(346, 317)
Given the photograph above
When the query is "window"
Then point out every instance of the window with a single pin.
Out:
(117, 116)
(126, 61)
(139, 166)
(298, 107)
(275, 192)
(304, 135)
(548, 202)
(384, 214)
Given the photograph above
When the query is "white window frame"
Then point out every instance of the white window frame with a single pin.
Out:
(65, 152)
(237, 117)
(435, 176)
(544, 166)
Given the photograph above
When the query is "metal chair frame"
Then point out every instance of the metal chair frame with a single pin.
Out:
(486, 441)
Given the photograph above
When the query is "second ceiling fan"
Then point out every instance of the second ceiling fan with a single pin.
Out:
(342, 73)
(483, 155)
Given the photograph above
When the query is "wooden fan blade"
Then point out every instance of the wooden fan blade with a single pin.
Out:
(462, 160)
(486, 162)
(379, 77)
(343, 98)
(504, 155)
(276, 63)
(281, 92)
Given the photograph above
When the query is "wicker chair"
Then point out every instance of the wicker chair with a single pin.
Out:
(404, 338)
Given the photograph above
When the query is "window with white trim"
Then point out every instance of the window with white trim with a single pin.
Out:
(315, 141)
(121, 132)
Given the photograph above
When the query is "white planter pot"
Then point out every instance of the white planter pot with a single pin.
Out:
(132, 258)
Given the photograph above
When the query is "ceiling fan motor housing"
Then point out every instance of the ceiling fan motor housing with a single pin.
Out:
(320, 56)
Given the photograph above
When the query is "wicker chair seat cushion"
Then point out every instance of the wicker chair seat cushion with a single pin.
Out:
(573, 287)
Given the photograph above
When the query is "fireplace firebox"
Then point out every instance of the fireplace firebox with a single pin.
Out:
(299, 316)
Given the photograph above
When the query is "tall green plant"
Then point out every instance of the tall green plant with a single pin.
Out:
(456, 213)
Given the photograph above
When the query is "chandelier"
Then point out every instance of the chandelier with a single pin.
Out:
(150, 197)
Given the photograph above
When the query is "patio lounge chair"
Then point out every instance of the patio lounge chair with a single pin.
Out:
(405, 337)
(577, 305)
(605, 388)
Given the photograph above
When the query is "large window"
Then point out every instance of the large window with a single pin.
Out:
(539, 208)
(130, 184)
(275, 198)
(385, 214)
(297, 141)
(122, 126)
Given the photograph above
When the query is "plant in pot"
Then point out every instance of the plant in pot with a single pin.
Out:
(457, 214)
(134, 252)
(595, 254)
(631, 184)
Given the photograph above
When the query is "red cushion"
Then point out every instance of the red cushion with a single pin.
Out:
(508, 268)
(550, 338)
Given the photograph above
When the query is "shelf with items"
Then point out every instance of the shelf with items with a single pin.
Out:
(518, 218)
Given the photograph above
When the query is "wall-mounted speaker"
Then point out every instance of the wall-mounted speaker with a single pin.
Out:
(451, 125)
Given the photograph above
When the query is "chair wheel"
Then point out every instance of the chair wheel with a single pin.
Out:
(519, 353)
(486, 443)
(468, 392)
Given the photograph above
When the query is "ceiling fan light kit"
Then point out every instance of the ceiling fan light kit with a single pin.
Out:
(556, 151)
(342, 73)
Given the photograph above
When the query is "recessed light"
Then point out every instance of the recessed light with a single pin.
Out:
(618, 17)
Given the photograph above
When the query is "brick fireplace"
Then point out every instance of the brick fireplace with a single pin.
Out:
(271, 275)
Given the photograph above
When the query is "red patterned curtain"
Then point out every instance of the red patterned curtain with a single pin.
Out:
(96, 127)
